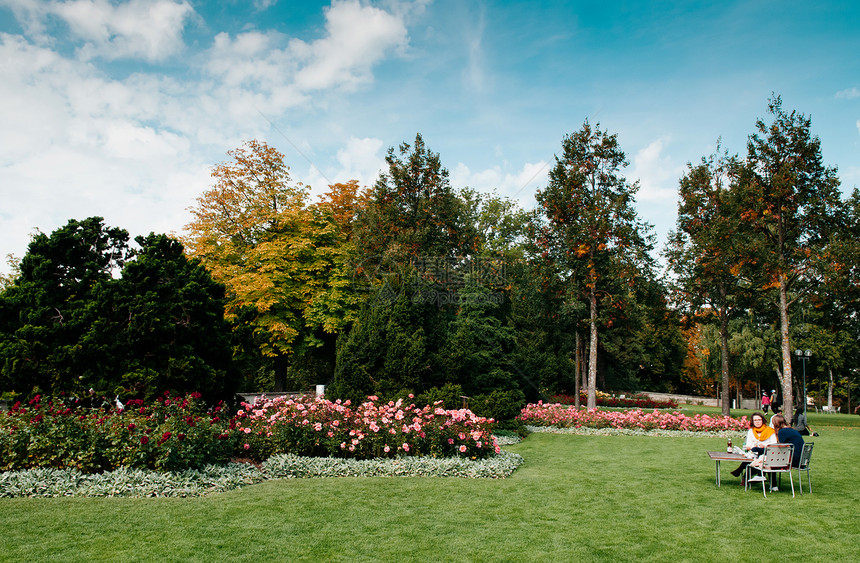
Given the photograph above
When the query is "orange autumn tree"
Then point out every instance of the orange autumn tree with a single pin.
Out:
(283, 261)
(691, 370)
(344, 200)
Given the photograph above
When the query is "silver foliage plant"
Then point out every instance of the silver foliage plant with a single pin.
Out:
(125, 482)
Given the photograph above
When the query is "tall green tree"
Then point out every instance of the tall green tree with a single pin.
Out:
(413, 211)
(499, 224)
(477, 352)
(162, 325)
(391, 348)
(792, 205)
(704, 250)
(592, 230)
(74, 320)
(50, 305)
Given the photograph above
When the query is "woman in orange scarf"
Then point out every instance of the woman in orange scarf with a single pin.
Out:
(758, 436)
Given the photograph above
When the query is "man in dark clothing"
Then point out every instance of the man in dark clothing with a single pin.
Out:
(775, 402)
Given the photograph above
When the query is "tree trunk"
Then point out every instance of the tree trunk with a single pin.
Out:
(576, 372)
(787, 397)
(583, 368)
(829, 388)
(592, 352)
(724, 353)
(280, 364)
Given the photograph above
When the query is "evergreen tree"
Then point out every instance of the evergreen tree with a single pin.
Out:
(791, 202)
(592, 231)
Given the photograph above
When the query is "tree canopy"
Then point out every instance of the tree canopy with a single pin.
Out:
(89, 311)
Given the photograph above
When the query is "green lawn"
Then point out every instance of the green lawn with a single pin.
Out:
(576, 498)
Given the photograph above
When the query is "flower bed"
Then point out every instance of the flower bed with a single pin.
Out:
(563, 416)
(177, 434)
(314, 426)
(171, 434)
(604, 400)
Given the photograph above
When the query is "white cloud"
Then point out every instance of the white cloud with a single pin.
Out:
(359, 159)
(858, 125)
(262, 5)
(474, 73)
(848, 94)
(520, 186)
(362, 160)
(76, 143)
(137, 150)
(657, 174)
(31, 15)
(358, 37)
(284, 73)
(147, 29)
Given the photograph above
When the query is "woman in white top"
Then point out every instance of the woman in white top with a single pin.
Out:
(758, 436)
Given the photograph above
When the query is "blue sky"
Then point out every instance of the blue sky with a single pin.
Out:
(120, 109)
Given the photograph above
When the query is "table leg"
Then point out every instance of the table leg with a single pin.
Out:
(718, 473)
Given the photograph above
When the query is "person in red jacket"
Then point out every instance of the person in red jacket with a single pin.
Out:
(765, 401)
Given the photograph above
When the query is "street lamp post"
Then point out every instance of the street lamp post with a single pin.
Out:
(803, 356)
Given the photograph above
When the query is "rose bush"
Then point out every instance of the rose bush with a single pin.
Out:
(177, 433)
(171, 434)
(314, 426)
(556, 414)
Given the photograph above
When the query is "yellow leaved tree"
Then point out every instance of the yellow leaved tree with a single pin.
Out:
(283, 260)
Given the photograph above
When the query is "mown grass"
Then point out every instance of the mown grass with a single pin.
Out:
(576, 498)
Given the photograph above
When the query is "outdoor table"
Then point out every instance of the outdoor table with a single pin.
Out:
(726, 456)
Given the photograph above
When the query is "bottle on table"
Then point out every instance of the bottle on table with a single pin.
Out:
(729, 446)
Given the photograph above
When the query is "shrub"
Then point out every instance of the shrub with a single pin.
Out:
(604, 400)
(314, 426)
(500, 405)
(450, 395)
(171, 434)
(125, 482)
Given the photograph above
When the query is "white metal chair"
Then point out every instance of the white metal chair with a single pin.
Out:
(776, 460)
(805, 458)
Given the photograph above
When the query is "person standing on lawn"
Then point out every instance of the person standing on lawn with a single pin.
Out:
(765, 401)
(758, 436)
(775, 403)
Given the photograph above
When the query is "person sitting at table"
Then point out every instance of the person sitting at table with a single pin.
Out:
(758, 436)
(785, 434)
(788, 435)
